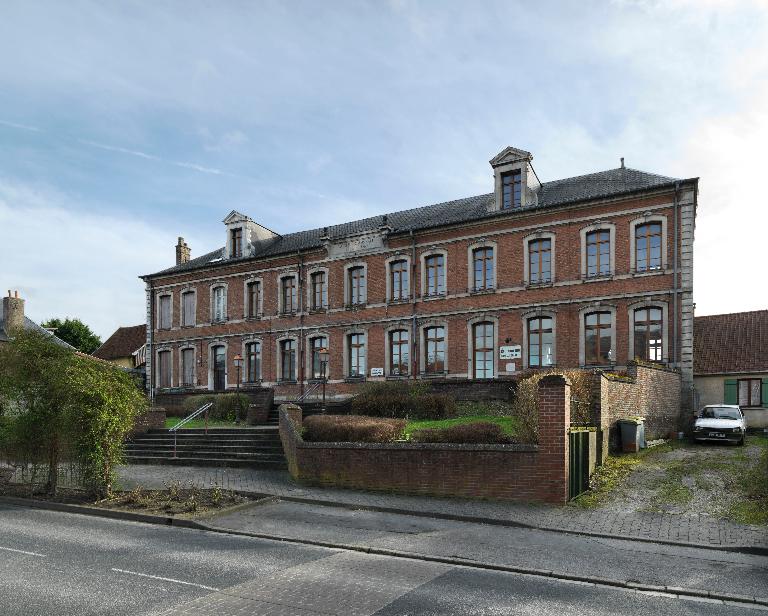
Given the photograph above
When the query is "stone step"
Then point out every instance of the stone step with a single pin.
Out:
(168, 447)
(230, 455)
(202, 438)
(212, 461)
(223, 431)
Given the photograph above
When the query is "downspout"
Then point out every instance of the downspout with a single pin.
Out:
(301, 358)
(151, 345)
(676, 285)
(414, 343)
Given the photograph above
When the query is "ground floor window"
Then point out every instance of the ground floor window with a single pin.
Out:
(356, 349)
(317, 345)
(399, 353)
(187, 367)
(164, 369)
(288, 360)
(253, 362)
(482, 342)
(434, 350)
(540, 342)
(648, 323)
(597, 338)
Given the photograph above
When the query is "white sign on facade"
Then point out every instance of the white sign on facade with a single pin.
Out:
(510, 367)
(512, 351)
(377, 371)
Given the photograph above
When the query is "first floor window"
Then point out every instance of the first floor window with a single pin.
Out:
(219, 304)
(540, 261)
(434, 270)
(356, 355)
(253, 362)
(434, 350)
(648, 323)
(165, 312)
(319, 291)
(188, 308)
(482, 259)
(253, 299)
(398, 280)
(187, 367)
(356, 285)
(599, 253)
(288, 360)
(164, 369)
(540, 342)
(648, 247)
(482, 351)
(319, 371)
(597, 338)
(288, 291)
(750, 392)
(399, 353)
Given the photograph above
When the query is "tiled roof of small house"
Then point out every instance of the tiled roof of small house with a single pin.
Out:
(731, 343)
(603, 184)
(123, 342)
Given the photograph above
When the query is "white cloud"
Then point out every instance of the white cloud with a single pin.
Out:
(65, 262)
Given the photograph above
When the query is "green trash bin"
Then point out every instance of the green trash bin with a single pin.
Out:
(632, 434)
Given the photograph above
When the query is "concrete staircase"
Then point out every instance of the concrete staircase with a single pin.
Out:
(252, 447)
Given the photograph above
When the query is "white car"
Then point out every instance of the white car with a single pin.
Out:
(720, 422)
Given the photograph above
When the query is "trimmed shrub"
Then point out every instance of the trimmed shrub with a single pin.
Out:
(403, 400)
(477, 432)
(224, 405)
(351, 429)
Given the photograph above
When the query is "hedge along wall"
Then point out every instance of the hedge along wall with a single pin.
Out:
(509, 472)
(647, 391)
(173, 402)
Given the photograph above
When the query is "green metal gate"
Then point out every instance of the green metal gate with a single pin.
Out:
(578, 473)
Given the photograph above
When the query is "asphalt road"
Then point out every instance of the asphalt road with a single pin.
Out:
(68, 564)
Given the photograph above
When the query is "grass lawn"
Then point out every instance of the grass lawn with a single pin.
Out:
(200, 423)
(508, 424)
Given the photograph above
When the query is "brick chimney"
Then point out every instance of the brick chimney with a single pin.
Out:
(13, 312)
(182, 252)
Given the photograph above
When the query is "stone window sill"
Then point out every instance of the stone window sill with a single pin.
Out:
(483, 291)
(652, 272)
(598, 278)
(540, 285)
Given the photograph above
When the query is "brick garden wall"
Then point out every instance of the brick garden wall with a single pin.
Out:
(508, 472)
(647, 391)
(153, 419)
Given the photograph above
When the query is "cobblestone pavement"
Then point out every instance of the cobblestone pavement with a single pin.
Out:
(700, 530)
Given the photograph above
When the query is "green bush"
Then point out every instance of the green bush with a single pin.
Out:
(404, 401)
(484, 432)
(224, 408)
(351, 429)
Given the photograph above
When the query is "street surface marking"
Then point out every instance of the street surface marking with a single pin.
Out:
(165, 579)
(22, 552)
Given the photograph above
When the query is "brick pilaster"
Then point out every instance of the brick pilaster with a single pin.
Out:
(554, 398)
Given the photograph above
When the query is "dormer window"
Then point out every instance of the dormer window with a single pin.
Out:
(511, 189)
(236, 243)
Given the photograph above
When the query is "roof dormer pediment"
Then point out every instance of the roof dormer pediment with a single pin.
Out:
(510, 155)
(234, 217)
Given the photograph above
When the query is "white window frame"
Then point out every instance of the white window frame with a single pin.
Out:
(423, 262)
(538, 235)
(582, 329)
(598, 226)
(533, 314)
(664, 306)
(214, 286)
(211, 345)
(260, 307)
(483, 243)
(182, 320)
(159, 299)
(471, 344)
(345, 354)
(388, 268)
(310, 273)
(638, 222)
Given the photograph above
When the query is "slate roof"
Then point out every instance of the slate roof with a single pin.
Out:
(29, 325)
(731, 343)
(603, 184)
(123, 342)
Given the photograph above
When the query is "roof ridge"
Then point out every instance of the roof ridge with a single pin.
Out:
(729, 314)
(593, 173)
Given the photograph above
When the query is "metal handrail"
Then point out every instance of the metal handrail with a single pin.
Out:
(187, 419)
(314, 387)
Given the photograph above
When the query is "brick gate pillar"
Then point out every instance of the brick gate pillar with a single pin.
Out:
(554, 401)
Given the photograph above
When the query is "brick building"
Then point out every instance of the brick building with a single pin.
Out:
(572, 272)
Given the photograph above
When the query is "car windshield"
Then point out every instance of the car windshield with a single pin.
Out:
(719, 412)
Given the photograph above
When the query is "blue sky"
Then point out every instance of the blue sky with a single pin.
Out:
(124, 125)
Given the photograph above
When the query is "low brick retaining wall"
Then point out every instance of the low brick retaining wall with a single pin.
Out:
(153, 419)
(509, 472)
(261, 398)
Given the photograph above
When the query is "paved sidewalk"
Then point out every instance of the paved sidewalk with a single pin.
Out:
(701, 530)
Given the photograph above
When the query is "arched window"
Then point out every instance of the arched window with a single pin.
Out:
(398, 280)
(187, 367)
(434, 274)
(219, 366)
(253, 362)
(482, 264)
(288, 294)
(540, 261)
(482, 350)
(648, 247)
(356, 285)
(356, 351)
(597, 338)
(319, 284)
(599, 253)
(540, 342)
(648, 334)
(434, 350)
(252, 299)
(288, 360)
(316, 345)
(399, 353)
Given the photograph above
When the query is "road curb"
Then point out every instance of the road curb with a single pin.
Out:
(741, 549)
(690, 593)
